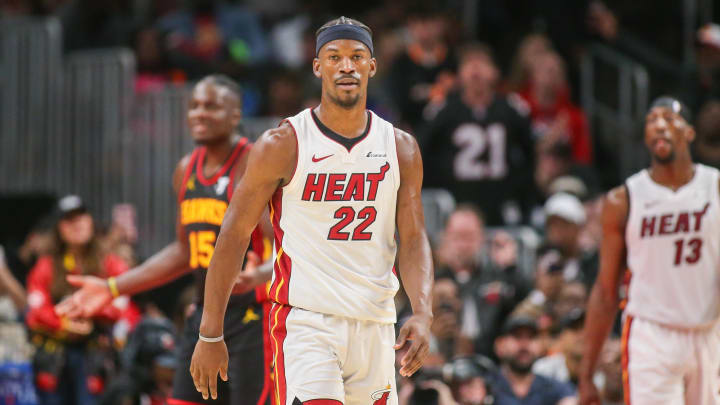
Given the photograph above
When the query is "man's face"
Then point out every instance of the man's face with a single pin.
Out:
(427, 29)
(519, 349)
(213, 114)
(464, 236)
(666, 133)
(478, 72)
(344, 66)
(562, 233)
(572, 296)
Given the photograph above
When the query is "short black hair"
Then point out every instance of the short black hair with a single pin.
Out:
(343, 21)
(475, 48)
(226, 82)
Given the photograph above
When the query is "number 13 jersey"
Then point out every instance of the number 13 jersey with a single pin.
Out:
(334, 224)
(673, 250)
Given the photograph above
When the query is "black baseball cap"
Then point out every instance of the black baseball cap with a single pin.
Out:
(513, 323)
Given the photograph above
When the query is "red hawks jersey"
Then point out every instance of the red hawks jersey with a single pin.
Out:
(673, 250)
(334, 224)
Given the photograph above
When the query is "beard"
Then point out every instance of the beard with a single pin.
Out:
(346, 103)
(665, 159)
(518, 366)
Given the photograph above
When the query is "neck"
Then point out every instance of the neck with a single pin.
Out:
(349, 123)
(545, 97)
(75, 250)
(674, 174)
(477, 98)
(215, 154)
(520, 383)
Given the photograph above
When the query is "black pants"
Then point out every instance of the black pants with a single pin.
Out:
(248, 372)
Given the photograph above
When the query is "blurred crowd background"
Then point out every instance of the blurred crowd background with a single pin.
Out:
(526, 113)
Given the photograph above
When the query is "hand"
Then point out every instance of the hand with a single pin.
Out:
(208, 360)
(79, 327)
(251, 276)
(93, 295)
(417, 330)
(503, 250)
(587, 392)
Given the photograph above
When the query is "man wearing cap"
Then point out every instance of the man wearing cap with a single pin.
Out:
(518, 347)
(339, 181)
(565, 218)
(663, 225)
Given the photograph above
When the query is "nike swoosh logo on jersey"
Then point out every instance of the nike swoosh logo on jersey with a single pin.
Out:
(651, 204)
(314, 159)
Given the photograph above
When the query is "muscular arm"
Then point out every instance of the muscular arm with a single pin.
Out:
(603, 303)
(414, 257)
(270, 165)
(166, 265)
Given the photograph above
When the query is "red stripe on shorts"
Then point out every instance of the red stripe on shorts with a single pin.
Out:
(278, 333)
(625, 342)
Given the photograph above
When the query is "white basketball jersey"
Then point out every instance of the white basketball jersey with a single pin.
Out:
(673, 249)
(334, 224)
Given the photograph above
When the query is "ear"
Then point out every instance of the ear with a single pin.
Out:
(498, 345)
(316, 68)
(690, 134)
(373, 67)
(236, 116)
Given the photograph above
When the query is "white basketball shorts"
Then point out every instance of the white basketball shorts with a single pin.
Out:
(667, 366)
(326, 357)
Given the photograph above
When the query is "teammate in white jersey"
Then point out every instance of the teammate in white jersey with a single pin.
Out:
(339, 181)
(663, 225)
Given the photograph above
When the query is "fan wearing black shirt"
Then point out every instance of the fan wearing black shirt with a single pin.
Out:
(479, 145)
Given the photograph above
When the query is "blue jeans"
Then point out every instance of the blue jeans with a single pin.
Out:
(72, 383)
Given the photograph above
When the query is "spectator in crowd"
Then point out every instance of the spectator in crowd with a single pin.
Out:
(610, 373)
(445, 328)
(518, 348)
(68, 371)
(122, 235)
(490, 283)
(37, 243)
(459, 255)
(572, 297)
(565, 218)
(16, 376)
(706, 148)
(555, 119)
(548, 284)
(212, 36)
(563, 364)
(425, 71)
(529, 49)
(148, 365)
(479, 145)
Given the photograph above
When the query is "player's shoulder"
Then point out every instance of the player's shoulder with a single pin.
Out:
(404, 141)
(281, 137)
(616, 205)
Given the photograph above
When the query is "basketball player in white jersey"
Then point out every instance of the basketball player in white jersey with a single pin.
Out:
(339, 180)
(663, 225)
